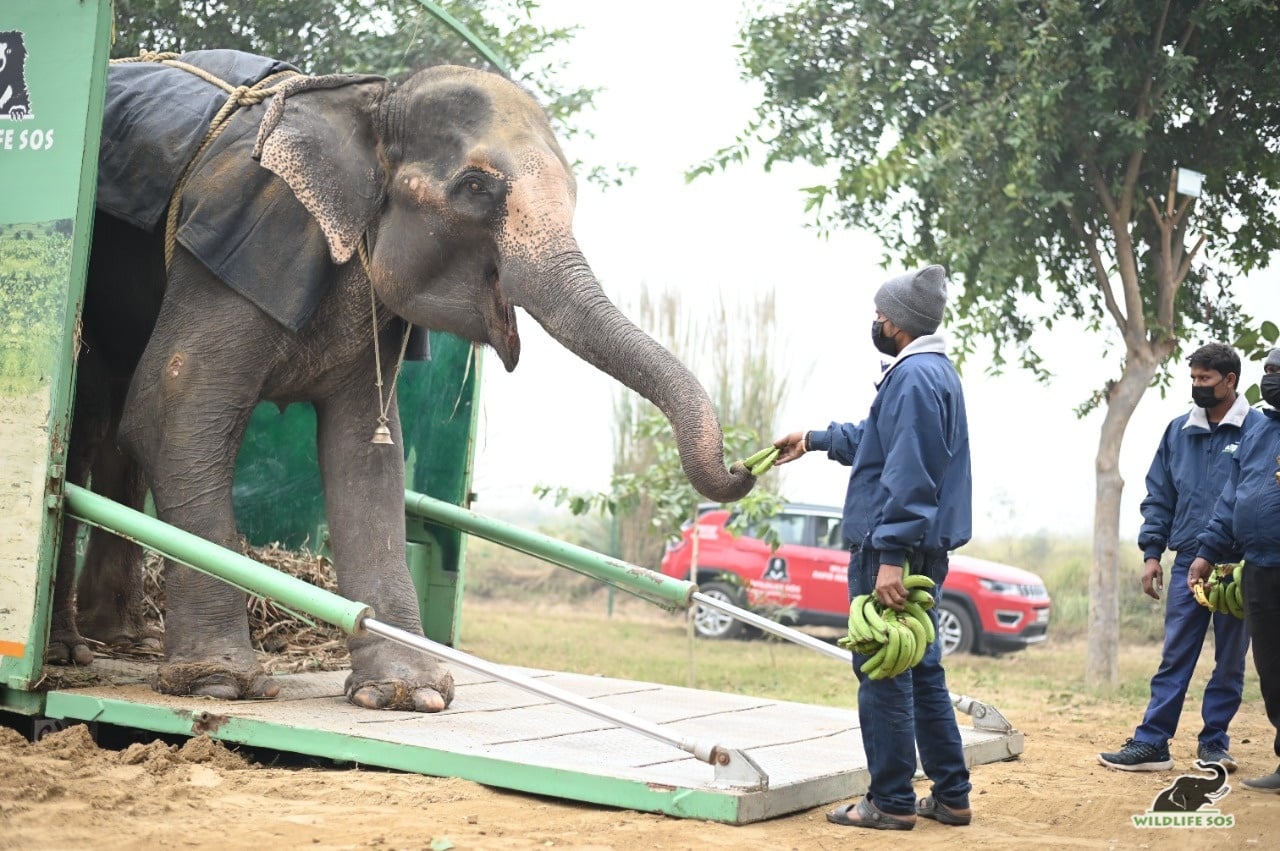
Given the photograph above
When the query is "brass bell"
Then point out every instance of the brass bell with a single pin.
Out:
(382, 436)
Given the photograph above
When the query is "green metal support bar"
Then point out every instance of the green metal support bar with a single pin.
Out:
(207, 557)
(647, 584)
(468, 36)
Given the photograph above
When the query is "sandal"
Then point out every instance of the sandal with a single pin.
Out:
(866, 814)
(932, 808)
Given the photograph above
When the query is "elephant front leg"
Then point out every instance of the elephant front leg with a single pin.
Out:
(207, 648)
(364, 496)
(188, 407)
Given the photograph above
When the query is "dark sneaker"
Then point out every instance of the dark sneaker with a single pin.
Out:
(1206, 754)
(1265, 783)
(1138, 756)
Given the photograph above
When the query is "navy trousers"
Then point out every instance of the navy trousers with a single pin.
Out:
(1185, 624)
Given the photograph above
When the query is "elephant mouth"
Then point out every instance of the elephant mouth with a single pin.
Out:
(501, 322)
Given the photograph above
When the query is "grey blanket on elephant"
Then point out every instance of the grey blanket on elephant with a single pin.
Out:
(237, 218)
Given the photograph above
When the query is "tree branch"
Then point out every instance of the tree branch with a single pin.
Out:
(1099, 270)
(1159, 33)
(1126, 264)
(1191, 27)
(1185, 267)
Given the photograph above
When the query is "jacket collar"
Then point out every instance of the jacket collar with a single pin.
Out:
(1235, 415)
(930, 343)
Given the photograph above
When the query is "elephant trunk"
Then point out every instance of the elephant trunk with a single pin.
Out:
(562, 294)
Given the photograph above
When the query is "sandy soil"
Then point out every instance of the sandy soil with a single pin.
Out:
(66, 792)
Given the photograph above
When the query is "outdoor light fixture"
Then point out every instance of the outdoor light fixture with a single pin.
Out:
(1189, 182)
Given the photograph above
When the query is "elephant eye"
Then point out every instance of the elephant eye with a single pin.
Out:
(475, 186)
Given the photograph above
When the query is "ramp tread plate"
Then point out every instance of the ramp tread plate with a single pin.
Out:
(811, 755)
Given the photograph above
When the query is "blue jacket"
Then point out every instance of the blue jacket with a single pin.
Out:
(1187, 476)
(1246, 520)
(911, 483)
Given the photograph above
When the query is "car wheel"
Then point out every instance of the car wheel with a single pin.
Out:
(955, 628)
(709, 623)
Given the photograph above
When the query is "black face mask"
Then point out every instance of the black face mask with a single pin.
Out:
(1205, 397)
(884, 345)
(1270, 385)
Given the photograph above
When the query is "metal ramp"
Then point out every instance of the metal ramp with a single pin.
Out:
(500, 735)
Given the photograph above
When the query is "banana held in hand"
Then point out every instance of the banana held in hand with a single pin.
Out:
(760, 462)
(893, 642)
(918, 580)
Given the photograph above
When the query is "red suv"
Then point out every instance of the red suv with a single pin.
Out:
(986, 608)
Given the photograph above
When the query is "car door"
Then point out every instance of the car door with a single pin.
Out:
(777, 586)
(826, 583)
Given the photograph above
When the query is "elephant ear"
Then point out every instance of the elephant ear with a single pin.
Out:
(318, 135)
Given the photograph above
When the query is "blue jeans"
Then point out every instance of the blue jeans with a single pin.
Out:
(1185, 625)
(912, 710)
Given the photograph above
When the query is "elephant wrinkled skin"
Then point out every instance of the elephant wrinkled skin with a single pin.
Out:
(454, 180)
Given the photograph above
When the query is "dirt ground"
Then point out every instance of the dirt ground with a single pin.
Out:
(66, 792)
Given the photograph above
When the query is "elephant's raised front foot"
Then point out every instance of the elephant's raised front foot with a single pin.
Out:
(220, 679)
(394, 677)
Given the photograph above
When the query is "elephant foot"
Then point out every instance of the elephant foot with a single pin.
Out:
(147, 641)
(214, 679)
(66, 645)
(392, 677)
(68, 650)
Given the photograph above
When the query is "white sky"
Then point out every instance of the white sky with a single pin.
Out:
(672, 96)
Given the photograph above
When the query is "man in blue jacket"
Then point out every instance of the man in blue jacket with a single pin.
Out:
(909, 501)
(1183, 485)
(1246, 524)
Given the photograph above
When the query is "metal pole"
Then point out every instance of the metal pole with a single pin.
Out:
(774, 628)
(732, 766)
(985, 716)
(713, 754)
(471, 38)
(207, 557)
(655, 587)
(651, 585)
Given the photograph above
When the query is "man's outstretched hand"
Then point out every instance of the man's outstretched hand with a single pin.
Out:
(790, 447)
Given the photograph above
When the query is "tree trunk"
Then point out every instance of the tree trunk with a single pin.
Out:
(1104, 604)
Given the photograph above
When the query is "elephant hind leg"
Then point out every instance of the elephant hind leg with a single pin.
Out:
(110, 592)
(89, 426)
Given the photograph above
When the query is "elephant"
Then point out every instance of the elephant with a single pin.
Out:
(441, 201)
(1190, 792)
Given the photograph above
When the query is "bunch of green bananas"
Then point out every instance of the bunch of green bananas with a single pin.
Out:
(759, 463)
(895, 641)
(1221, 591)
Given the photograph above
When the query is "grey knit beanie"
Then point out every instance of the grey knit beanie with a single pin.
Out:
(915, 301)
(1273, 359)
